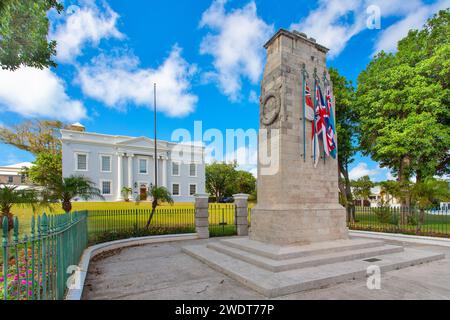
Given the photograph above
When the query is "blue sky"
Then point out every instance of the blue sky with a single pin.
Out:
(206, 57)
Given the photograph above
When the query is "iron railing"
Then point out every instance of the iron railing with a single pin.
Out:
(108, 225)
(34, 266)
(431, 222)
(222, 219)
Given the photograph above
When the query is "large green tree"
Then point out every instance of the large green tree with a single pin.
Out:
(346, 124)
(46, 170)
(362, 188)
(24, 27)
(403, 103)
(219, 177)
(35, 136)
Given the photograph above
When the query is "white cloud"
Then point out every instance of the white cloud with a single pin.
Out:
(83, 25)
(333, 23)
(117, 81)
(33, 92)
(253, 97)
(236, 44)
(362, 170)
(415, 19)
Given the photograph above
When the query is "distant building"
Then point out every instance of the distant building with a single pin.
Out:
(13, 174)
(376, 198)
(113, 162)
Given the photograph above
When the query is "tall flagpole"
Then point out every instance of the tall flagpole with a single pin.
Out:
(156, 150)
(304, 112)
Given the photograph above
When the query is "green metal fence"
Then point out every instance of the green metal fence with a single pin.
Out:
(108, 225)
(222, 220)
(402, 220)
(34, 266)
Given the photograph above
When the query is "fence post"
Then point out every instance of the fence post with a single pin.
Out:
(241, 203)
(201, 216)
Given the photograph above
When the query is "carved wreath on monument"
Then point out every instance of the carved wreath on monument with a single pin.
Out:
(271, 107)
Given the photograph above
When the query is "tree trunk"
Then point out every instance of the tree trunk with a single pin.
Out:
(154, 204)
(349, 196)
(9, 215)
(402, 178)
(347, 193)
(67, 206)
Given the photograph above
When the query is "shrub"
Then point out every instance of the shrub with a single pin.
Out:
(383, 214)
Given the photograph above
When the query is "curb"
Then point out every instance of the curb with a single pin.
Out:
(444, 242)
(92, 251)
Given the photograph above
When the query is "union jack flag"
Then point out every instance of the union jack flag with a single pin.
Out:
(309, 107)
(323, 125)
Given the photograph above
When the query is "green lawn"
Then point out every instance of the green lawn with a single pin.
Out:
(129, 215)
(434, 224)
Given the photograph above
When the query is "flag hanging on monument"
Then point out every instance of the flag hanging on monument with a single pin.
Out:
(316, 126)
(331, 141)
(308, 104)
(322, 121)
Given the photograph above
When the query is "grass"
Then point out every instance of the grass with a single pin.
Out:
(176, 215)
(434, 224)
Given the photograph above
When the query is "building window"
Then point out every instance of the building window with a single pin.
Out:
(192, 189)
(23, 178)
(82, 162)
(10, 179)
(192, 170)
(175, 189)
(143, 166)
(105, 162)
(175, 169)
(106, 187)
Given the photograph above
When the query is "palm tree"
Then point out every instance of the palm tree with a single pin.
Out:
(66, 189)
(126, 191)
(10, 195)
(426, 192)
(158, 194)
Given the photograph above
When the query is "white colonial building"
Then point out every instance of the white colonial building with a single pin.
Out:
(114, 162)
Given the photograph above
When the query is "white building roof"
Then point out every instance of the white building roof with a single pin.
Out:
(19, 165)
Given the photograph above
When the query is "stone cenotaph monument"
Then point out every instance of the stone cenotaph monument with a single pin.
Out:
(298, 235)
(297, 201)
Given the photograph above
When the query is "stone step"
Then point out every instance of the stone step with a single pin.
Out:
(306, 261)
(296, 251)
(274, 284)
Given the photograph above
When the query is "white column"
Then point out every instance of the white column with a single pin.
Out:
(164, 172)
(130, 170)
(119, 175)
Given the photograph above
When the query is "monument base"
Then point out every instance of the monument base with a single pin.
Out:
(274, 270)
(298, 225)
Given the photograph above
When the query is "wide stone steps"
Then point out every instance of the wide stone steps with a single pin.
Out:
(296, 251)
(312, 260)
(274, 284)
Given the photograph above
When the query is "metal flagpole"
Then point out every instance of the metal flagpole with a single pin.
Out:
(156, 150)
(304, 113)
(314, 121)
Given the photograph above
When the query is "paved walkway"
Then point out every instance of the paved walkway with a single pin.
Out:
(162, 271)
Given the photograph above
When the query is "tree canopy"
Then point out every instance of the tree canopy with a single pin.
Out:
(403, 103)
(35, 136)
(222, 179)
(346, 128)
(24, 29)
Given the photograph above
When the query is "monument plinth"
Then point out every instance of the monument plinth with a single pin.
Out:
(298, 235)
(297, 201)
